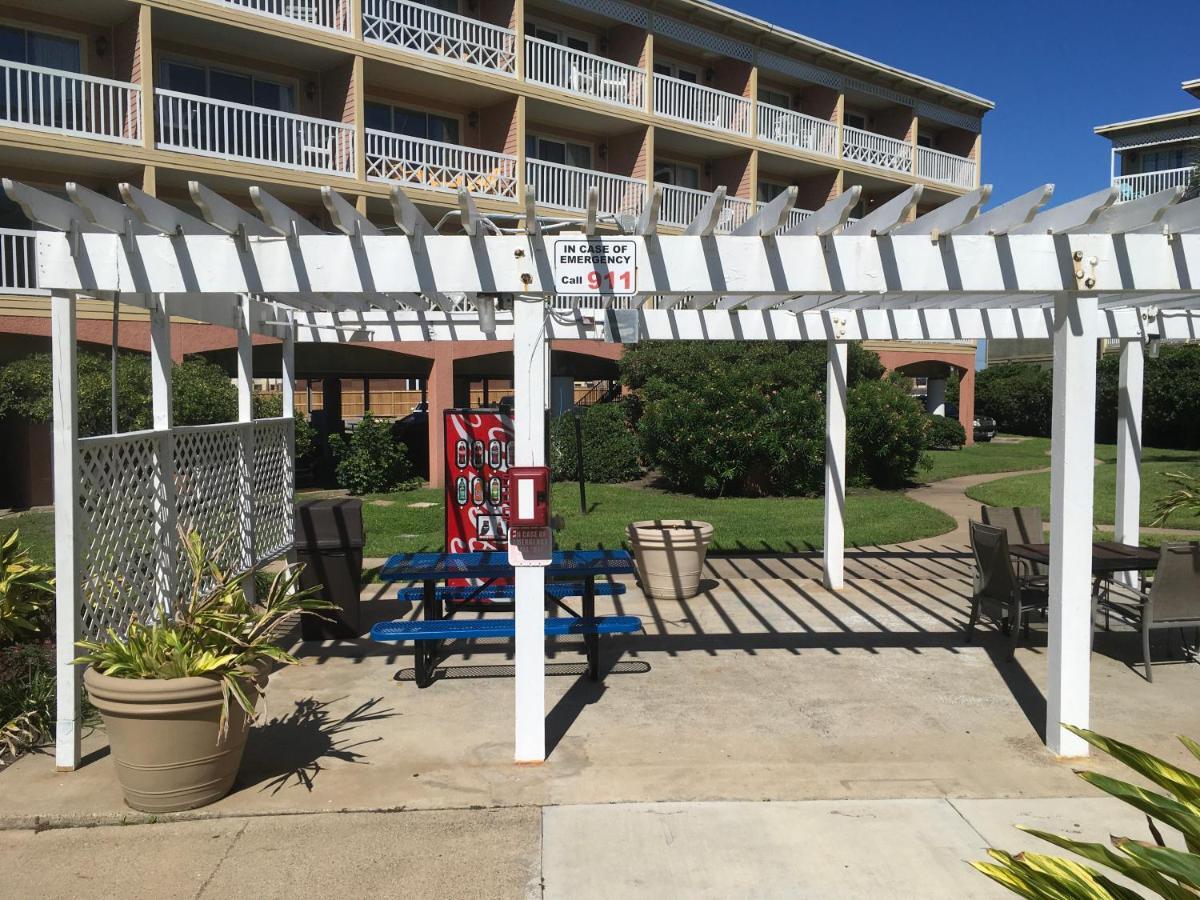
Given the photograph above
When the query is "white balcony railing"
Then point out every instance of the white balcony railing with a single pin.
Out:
(947, 168)
(208, 127)
(1134, 186)
(566, 187)
(332, 15)
(795, 217)
(18, 262)
(681, 205)
(700, 105)
(584, 74)
(433, 32)
(67, 103)
(793, 129)
(873, 149)
(436, 166)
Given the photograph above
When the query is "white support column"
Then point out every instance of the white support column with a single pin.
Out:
(935, 396)
(245, 389)
(160, 392)
(1129, 443)
(1072, 451)
(288, 402)
(529, 425)
(68, 596)
(835, 466)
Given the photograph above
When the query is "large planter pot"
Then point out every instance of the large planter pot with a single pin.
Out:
(165, 739)
(670, 555)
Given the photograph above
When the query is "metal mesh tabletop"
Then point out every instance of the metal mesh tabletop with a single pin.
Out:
(493, 564)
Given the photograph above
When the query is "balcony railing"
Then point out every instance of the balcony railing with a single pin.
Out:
(793, 129)
(436, 166)
(681, 205)
(428, 30)
(566, 187)
(699, 105)
(208, 127)
(795, 217)
(1134, 186)
(67, 103)
(945, 167)
(332, 15)
(18, 262)
(873, 149)
(584, 74)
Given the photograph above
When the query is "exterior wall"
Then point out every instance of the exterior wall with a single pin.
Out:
(629, 154)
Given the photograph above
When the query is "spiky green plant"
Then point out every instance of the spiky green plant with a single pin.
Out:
(1185, 497)
(1164, 871)
(26, 590)
(217, 632)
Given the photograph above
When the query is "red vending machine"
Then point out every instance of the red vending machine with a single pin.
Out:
(479, 452)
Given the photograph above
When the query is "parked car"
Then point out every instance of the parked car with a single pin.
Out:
(983, 427)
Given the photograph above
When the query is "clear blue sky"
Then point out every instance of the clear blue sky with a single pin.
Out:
(1055, 70)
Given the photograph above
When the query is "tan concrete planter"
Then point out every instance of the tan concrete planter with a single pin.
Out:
(670, 555)
(163, 735)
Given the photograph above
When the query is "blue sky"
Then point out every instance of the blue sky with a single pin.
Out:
(1054, 70)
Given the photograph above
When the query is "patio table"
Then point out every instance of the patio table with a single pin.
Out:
(1108, 557)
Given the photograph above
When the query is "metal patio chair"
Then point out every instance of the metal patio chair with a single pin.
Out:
(1023, 525)
(1000, 592)
(1171, 600)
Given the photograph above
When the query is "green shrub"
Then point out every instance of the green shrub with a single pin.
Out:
(370, 460)
(885, 434)
(943, 433)
(1170, 398)
(27, 697)
(26, 591)
(1018, 396)
(610, 448)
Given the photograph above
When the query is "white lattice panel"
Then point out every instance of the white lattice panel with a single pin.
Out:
(274, 515)
(120, 502)
(213, 492)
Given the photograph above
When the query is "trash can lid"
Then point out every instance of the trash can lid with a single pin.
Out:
(330, 523)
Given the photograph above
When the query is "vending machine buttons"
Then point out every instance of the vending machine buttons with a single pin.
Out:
(479, 459)
(460, 454)
(477, 491)
(494, 490)
(460, 490)
(495, 456)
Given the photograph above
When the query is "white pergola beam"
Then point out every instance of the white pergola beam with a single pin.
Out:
(890, 216)
(831, 217)
(1008, 216)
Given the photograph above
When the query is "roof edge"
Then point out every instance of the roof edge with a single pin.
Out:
(1148, 120)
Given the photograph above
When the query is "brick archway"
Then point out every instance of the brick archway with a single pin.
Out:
(921, 359)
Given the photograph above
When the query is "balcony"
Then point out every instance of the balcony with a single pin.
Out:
(1134, 186)
(796, 130)
(566, 187)
(435, 166)
(681, 205)
(61, 102)
(18, 263)
(795, 217)
(207, 127)
(330, 15)
(873, 149)
(699, 105)
(431, 32)
(584, 74)
(945, 167)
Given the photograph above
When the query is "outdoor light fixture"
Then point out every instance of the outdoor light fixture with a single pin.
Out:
(473, 118)
(102, 46)
(602, 151)
(709, 74)
(310, 90)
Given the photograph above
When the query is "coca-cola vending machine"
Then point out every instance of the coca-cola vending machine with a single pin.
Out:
(479, 452)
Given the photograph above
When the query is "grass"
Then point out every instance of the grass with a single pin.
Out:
(37, 533)
(741, 524)
(981, 459)
(1034, 489)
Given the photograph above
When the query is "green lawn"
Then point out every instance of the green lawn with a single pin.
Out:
(740, 524)
(37, 533)
(1028, 453)
(1034, 489)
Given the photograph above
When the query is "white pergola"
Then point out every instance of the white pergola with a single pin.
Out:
(1077, 273)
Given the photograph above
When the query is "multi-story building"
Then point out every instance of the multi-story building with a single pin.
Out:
(1157, 152)
(441, 95)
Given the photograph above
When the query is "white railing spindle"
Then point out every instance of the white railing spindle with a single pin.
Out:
(793, 129)
(433, 32)
(681, 205)
(1134, 186)
(937, 165)
(700, 105)
(566, 187)
(434, 165)
(18, 263)
(331, 15)
(876, 150)
(68, 103)
(584, 74)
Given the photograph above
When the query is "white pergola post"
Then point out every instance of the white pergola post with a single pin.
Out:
(935, 396)
(1129, 448)
(245, 390)
(529, 426)
(287, 388)
(1072, 435)
(67, 540)
(835, 466)
(163, 417)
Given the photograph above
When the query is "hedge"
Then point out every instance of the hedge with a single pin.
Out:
(944, 433)
(1017, 395)
(610, 448)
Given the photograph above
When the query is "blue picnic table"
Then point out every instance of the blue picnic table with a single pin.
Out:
(438, 604)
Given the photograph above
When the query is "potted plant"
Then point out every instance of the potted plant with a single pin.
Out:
(178, 694)
(669, 554)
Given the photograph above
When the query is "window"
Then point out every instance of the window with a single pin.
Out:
(556, 151)
(35, 48)
(769, 190)
(926, 140)
(775, 98)
(412, 122)
(1159, 159)
(556, 35)
(678, 174)
(677, 70)
(234, 87)
(854, 119)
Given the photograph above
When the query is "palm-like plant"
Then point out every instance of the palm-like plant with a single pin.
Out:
(1164, 871)
(217, 632)
(1185, 497)
(26, 590)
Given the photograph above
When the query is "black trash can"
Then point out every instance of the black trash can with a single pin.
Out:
(329, 543)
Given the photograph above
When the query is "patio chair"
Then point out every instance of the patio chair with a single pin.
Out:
(1171, 600)
(1001, 593)
(1023, 525)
